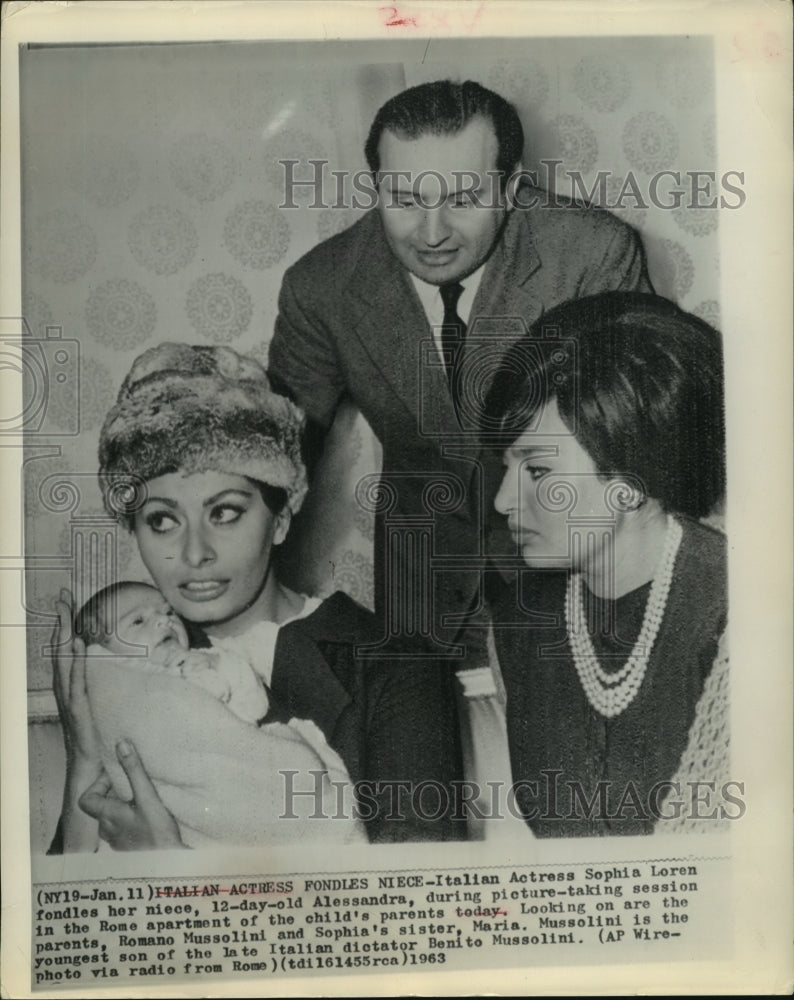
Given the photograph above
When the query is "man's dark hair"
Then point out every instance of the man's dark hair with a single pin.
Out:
(643, 393)
(445, 108)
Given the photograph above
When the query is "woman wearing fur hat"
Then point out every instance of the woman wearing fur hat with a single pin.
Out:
(201, 461)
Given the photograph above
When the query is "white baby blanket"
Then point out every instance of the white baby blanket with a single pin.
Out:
(224, 780)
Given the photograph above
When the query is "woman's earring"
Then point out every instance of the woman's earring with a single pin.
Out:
(634, 499)
(626, 497)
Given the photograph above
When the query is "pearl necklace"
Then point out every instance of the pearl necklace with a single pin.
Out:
(610, 693)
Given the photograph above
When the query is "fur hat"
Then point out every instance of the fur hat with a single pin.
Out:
(187, 409)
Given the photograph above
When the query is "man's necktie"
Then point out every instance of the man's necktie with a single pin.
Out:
(453, 333)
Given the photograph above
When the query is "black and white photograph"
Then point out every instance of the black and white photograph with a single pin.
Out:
(392, 471)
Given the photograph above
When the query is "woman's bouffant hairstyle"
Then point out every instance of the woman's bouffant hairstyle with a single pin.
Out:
(638, 382)
(185, 408)
(445, 108)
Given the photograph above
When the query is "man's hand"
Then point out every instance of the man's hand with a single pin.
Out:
(144, 823)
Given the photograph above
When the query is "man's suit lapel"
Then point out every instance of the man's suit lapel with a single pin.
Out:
(387, 316)
(507, 290)
(388, 319)
(391, 325)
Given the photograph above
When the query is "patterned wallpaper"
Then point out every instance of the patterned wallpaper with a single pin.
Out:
(150, 190)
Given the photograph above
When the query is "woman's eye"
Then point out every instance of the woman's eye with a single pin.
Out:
(137, 621)
(160, 522)
(536, 471)
(227, 514)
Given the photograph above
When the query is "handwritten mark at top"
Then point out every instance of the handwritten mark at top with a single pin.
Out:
(394, 19)
(431, 20)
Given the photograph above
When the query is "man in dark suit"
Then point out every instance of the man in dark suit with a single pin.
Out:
(408, 311)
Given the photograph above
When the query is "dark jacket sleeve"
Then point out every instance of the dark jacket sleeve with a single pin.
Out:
(302, 359)
(412, 759)
(392, 720)
(622, 267)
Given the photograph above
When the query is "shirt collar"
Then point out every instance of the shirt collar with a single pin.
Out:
(430, 296)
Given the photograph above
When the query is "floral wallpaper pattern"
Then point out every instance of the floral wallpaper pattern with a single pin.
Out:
(156, 216)
(162, 239)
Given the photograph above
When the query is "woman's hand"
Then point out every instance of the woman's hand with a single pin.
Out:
(71, 695)
(83, 762)
(144, 823)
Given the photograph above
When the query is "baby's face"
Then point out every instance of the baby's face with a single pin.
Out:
(143, 618)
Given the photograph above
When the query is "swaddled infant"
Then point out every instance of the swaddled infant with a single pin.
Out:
(224, 782)
(135, 621)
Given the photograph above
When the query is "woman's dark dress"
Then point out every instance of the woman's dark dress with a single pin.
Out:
(580, 774)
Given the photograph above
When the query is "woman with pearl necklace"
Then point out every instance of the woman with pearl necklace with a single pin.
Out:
(609, 627)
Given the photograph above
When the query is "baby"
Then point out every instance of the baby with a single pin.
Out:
(133, 620)
(224, 781)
